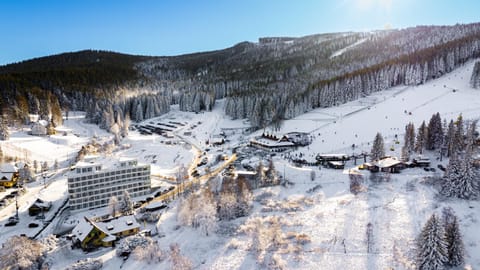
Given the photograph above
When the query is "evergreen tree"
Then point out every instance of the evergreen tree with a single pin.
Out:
(4, 133)
(432, 246)
(435, 133)
(449, 139)
(410, 137)
(44, 166)
(471, 137)
(125, 126)
(475, 79)
(409, 141)
(421, 138)
(455, 247)
(35, 166)
(458, 140)
(378, 148)
(461, 179)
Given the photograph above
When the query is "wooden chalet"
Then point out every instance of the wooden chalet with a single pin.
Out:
(272, 143)
(8, 175)
(38, 207)
(390, 165)
(89, 235)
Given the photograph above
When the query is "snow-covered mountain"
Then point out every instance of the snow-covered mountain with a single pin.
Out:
(274, 79)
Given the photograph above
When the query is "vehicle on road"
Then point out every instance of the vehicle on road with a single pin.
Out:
(33, 225)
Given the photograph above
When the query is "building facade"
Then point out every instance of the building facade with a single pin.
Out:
(92, 183)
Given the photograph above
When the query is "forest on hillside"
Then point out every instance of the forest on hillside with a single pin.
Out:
(266, 82)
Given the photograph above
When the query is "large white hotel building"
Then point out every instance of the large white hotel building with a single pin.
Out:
(94, 181)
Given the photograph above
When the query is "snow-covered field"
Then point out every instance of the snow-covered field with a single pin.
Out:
(323, 224)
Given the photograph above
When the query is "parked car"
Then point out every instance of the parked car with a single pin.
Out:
(10, 223)
(441, 167)
(137, 205)
(33, 225)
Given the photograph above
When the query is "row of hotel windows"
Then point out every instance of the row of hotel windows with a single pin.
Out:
(89, 203)
(112, 173)
(108, 181)
(134, 186)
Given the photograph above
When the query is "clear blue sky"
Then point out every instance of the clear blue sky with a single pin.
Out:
(162, 27)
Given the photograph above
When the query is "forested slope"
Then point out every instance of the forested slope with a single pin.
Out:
(274, 79)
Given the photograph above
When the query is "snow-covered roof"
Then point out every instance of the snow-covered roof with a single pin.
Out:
(82, 229)
(106, 163)
(271, 143)
(154, 206)
(41, 203)
(8, 168)
(388, 162)
(109, 238)
(245, 172)
(119, 224)
(333, 155)
(7, 176)
(336, 163)
(43, 122)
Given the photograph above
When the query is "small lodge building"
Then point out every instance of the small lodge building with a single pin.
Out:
(89, 235)
(39, 129)
(8, 175)
(390, 165)
(336, 165)
(38, 207)
(421, 161)
(272, 143)
(326, 159)
(387, 164)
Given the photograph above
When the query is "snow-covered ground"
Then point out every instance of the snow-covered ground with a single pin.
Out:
(332, 219)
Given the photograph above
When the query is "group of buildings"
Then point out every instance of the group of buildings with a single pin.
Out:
(386, 164)
(272, 143)
(92, 182)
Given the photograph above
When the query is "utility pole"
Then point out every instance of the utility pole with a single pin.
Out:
(16, 205)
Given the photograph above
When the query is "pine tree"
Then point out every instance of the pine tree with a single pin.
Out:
(461, 179)
(35, 166)
(421, 138)
(410, 137)
(449, 139)
(435, 133)
(475, 79)
(4, 133)
(44, 166)
(455, 247)
(55, 165)
(378, 148)
(409, 142)
(432, 246)
(458, 137)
